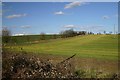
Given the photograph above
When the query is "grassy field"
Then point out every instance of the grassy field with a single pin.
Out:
(93, 52)
(90, 46)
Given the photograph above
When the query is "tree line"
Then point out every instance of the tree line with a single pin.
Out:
(6, 35)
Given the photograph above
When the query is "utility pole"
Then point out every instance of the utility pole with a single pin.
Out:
(114, 29)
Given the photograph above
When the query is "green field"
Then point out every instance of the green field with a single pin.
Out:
(103, 47)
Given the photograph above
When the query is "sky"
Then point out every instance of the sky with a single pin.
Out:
(59, 0)
(54, 17)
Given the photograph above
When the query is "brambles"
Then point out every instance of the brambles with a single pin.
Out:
(23, 65)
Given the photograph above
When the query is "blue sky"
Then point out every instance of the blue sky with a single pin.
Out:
(59, 0)
(53, 17)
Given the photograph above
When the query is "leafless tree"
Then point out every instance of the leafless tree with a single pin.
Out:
(6, 35)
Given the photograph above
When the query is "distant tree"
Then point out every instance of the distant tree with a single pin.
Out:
(6, 35)
(42, 36)
(98, 33)
(79, 33)
(104, 32)
(82, 33)
(90, 33)
(6, 32)
(110, 32)
(68, 33)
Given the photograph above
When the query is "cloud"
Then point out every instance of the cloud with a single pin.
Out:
(70, 26)
(105, 17)
(90, 27)
(84, 26)
(15, 16)
(26, 26)
(74, 4)
(59, 13)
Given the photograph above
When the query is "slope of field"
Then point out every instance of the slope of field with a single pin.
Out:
(89, 46)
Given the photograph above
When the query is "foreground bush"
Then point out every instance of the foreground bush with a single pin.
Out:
(24, 66)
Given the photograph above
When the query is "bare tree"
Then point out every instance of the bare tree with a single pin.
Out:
(6, 35)
(6, 32)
